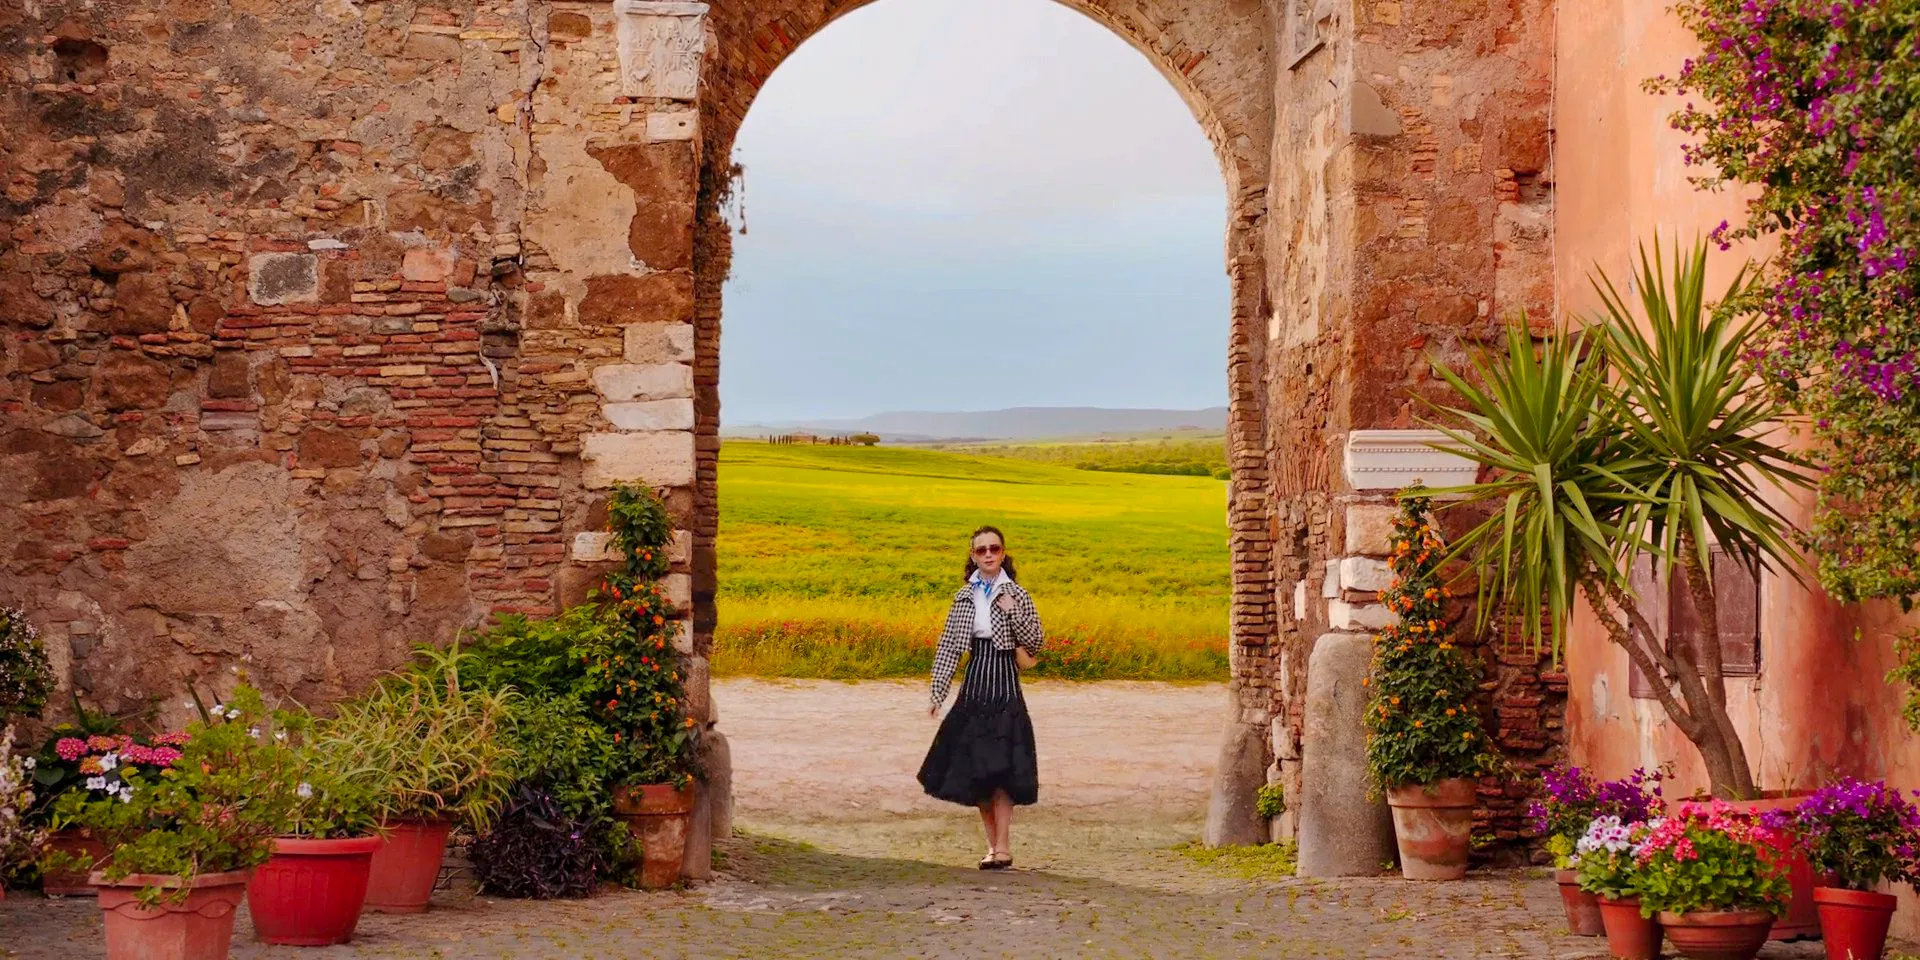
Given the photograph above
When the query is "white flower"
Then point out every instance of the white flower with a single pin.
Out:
(253, 732)
(304, 790)
(279, 734)
(109, 760)
(233, 713)
(96, 783)
(28, 763)
(126, 794)
(190, 705)
(219, 710)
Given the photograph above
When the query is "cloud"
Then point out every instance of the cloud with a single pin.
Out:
(966, 204)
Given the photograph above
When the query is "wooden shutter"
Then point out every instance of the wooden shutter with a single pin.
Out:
(1736, 594)
(1645, 582)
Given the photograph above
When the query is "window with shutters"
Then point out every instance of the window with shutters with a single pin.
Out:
(1668, 607)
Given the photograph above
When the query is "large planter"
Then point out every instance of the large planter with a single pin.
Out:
(658, 814)
(310, 893)
(200, 928)
(1854, 922)
(72, 883)
(1583, 908)
(1718, 934)
(1433, 825)
(1630, 936)
(406, 864)
(1802, 920)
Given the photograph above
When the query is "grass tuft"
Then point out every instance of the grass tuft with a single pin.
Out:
(1266, 861)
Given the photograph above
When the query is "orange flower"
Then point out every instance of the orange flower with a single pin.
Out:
(1394, 700)
(1467, 736)
(1419, 723)
(1451, 711)
(1366, 681)
(690, 723)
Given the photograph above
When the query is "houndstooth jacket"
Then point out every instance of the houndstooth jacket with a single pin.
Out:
(1021, 626)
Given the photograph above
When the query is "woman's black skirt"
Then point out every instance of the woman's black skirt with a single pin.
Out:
(986, 741)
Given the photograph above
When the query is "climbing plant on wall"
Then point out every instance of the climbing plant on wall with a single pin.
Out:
(641, 679)
(1814, 103)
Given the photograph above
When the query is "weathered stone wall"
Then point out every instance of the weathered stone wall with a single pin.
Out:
(326, 325)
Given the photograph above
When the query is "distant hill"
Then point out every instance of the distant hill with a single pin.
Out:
(1018, 423)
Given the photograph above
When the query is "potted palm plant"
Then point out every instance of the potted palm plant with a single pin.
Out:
(182, 841)
(312, 890)
(430, 753)
(1858, 835)
(1425, 745)
(1714, 876)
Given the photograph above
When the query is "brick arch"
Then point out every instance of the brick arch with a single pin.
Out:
(1213, 52)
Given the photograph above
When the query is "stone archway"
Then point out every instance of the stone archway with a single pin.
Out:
(1216, 57)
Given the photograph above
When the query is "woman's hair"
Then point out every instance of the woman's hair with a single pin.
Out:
(1006, 562)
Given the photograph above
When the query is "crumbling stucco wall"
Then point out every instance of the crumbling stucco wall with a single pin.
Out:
(325, 325)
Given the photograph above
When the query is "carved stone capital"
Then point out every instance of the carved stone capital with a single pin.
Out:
(1392, 459)
(661, 43)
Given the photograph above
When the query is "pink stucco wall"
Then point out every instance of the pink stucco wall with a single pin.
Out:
(1820, 704)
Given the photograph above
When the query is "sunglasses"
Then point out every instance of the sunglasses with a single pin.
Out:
(990, 550)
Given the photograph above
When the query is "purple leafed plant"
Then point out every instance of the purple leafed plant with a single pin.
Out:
(1570, 800)
(1861, 833)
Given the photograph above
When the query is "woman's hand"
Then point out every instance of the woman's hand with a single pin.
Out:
(1005, 603)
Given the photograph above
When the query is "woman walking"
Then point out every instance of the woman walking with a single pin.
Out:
(983, 755)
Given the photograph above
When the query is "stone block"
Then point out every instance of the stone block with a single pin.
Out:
(669, 342)
(1342, 615)
(622, 300)
(1365, 573)
(129, 381)
(672, 125)
(142, 304)
(228, 378)
(623, 382)
(1370, 529)
(1396, 459)
(320, 447)
(594, 547)
(274, 278)
(680, 548)
(679, 590)
(651, 415)
(426, 264)
(719, 768)
(662, 459)
(1342, 832)
(1238, 775)
(1281, 735)
(1330, 580)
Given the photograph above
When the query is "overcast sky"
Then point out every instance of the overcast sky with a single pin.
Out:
(967, 205)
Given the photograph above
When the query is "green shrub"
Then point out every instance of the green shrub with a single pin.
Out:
(26, 678)
(1271, 800)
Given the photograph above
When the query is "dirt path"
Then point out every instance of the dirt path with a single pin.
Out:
(821, 750)
(838, 855)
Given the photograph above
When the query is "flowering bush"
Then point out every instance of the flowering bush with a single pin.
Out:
(20, 840)
(1861, 833)
(26, 678)
(217, 807)
(1811, 102)
(1606, 856)
(1571, 801)
(100, 764)
(1420, 727)
(1711, 857)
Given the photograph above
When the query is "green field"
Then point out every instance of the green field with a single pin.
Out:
(839, 562)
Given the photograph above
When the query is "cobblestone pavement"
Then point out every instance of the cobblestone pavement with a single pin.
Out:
(811, 875)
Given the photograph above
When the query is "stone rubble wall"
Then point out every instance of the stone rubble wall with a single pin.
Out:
(324, 327)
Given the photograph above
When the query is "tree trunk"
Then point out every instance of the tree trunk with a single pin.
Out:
(1734, 781)
(1700, 717)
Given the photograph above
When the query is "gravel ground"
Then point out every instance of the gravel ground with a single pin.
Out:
(836, 855)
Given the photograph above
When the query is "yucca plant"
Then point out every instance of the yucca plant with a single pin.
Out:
(1633, 436)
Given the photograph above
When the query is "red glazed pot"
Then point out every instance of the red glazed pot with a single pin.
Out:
(310, 893)
(72, 883)
(406, 865)
(658, 814)
(1433, 825)
(201, 928)
(1718, 934)
(1583, 908)
(1801, 921)
(1630, 936)
(1854, 921)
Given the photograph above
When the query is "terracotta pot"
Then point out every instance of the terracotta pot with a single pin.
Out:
(1718, 934)
(1802, 920)
(310, 892)
(658, 814)
(406, 865)
(201, 928)
(1583, 908)
(1630, 936)
(72, 883)
(1854, 921)
(1433, 825)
